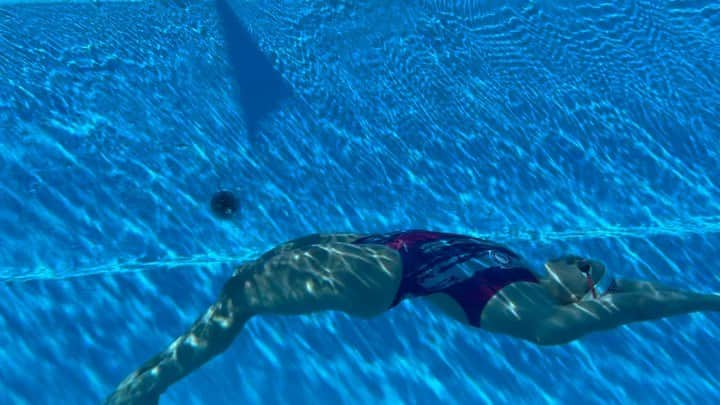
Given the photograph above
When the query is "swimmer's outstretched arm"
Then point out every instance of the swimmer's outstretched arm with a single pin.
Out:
(635, 301)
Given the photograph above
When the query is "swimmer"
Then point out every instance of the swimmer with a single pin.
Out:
(477, 282)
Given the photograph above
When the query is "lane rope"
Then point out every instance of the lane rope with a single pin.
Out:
(704, 225)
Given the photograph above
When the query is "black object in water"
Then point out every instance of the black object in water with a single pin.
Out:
(261, 88)
(224, 204)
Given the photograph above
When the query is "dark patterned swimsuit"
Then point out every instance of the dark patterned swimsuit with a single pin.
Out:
(468, 269)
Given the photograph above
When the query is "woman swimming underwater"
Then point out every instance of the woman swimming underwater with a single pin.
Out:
(477, 282)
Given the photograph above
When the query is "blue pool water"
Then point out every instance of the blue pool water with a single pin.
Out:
(551, 126)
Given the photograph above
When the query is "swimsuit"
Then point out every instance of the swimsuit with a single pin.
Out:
(468, 269)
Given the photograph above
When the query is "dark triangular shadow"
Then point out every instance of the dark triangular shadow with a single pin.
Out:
(260, 87)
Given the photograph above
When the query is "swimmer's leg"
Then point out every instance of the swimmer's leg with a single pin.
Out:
(360, 280)
(210, 335)
(569, 322)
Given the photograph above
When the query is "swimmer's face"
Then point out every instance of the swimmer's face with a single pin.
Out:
(567, 277)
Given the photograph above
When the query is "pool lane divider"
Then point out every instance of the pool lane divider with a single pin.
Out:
(704, 225)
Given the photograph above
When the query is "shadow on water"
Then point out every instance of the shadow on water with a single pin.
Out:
(261, 88)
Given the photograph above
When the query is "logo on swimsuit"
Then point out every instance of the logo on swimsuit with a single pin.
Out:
(500, 257)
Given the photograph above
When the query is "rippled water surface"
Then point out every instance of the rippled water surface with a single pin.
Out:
(551, 126)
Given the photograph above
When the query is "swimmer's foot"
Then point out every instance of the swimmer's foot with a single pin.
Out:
(139, 388)
(121, 397)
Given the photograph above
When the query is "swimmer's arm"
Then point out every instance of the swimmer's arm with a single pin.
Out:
(569, 322)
